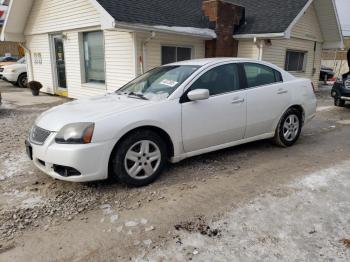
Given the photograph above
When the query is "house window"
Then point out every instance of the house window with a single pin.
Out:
(295, 61)
(94, 57)
(171, 54)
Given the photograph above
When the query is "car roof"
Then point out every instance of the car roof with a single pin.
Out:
(209, 61)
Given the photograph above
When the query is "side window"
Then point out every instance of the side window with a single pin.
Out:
(258, 75)
(219, 80)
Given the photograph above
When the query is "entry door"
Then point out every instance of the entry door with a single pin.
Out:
(220, 119)
(60, 65)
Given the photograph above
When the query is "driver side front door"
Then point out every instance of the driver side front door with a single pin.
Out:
(219, 120)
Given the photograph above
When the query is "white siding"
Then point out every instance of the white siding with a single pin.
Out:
(119, 64)
(119, 55)
(59, 15)
(276, 54)
(153, 48)
(308, 26)
(42, 72)
(247, 49)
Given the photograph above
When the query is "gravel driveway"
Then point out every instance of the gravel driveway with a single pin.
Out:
(248, 203)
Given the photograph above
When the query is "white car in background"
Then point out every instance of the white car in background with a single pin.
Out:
(16, 74)
(168, 114)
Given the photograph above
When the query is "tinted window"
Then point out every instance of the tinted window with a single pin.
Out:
(219, 80)
(171, 54)
(295, 61)
(10, 59)
(258, 75)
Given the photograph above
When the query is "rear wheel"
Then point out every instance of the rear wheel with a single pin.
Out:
(289, 128)
(339, 102)
(22, 80)
(139, 158)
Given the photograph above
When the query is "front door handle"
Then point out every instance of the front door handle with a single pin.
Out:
(282, 91)
(237, 100)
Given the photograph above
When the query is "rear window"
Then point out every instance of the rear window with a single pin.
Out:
(259, 75)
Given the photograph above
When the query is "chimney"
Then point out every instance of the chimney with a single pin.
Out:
(226, 17)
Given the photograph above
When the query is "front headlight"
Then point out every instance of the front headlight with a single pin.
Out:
(347, 83)
(77, 133)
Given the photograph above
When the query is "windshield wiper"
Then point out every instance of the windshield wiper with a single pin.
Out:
(138, 95)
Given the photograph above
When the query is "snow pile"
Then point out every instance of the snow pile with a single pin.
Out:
(303, 222)
(205, 32)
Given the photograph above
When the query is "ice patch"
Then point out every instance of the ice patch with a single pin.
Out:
(13, 166)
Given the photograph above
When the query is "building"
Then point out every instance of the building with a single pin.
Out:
(88, 47)
(8, 48)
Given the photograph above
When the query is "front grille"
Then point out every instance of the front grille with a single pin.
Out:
(38, 135)
(1, 69)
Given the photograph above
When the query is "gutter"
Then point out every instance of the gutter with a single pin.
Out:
(267, 35)
(159, 29)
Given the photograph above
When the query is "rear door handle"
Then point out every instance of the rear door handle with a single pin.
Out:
(238, 100)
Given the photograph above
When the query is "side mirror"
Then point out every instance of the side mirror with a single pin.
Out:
(198, 94)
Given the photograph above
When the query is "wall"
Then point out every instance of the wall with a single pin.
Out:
(42, 72)
(305, 34)
(58, 15)
(276, 54)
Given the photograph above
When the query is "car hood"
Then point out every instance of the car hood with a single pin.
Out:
(15, 66)
(88, 110)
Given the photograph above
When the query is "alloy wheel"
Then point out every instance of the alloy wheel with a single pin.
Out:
(291, 127)
(142, 159)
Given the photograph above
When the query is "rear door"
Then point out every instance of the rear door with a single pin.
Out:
(267, 98)
(220, 119)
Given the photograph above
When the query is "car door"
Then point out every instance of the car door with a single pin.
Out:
(267, 98)
(220, 119)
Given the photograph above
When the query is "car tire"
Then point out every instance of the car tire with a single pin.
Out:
(135, 165)
(22, 80)
(289, 128)
(339, 102)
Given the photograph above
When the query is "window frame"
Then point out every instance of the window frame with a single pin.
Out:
(84, 81)
(241, 81)
(304, 52)
(176, 47)
(277, 74)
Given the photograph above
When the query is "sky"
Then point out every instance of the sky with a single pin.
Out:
(343, 7)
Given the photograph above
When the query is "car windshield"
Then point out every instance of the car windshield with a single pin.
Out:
(22, 60)
(158, 83)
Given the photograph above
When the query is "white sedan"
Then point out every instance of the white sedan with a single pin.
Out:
(170, 113)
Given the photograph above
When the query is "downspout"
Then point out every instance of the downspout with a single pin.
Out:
(143, 61)
(260, 46)
(29, 58)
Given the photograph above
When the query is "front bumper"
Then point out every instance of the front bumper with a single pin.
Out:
(10, 77)
(89, 160)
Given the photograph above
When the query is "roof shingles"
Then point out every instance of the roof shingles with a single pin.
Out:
(262, 16)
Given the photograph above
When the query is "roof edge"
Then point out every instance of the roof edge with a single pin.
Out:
(265, 35)
(289, 29)
(107, 20)
(205, 33)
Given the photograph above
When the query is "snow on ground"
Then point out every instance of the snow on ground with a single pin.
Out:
(13, 165)
(306, 221)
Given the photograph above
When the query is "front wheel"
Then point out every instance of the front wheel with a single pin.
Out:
(139, 158)
(289, 128)
(22, 80)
